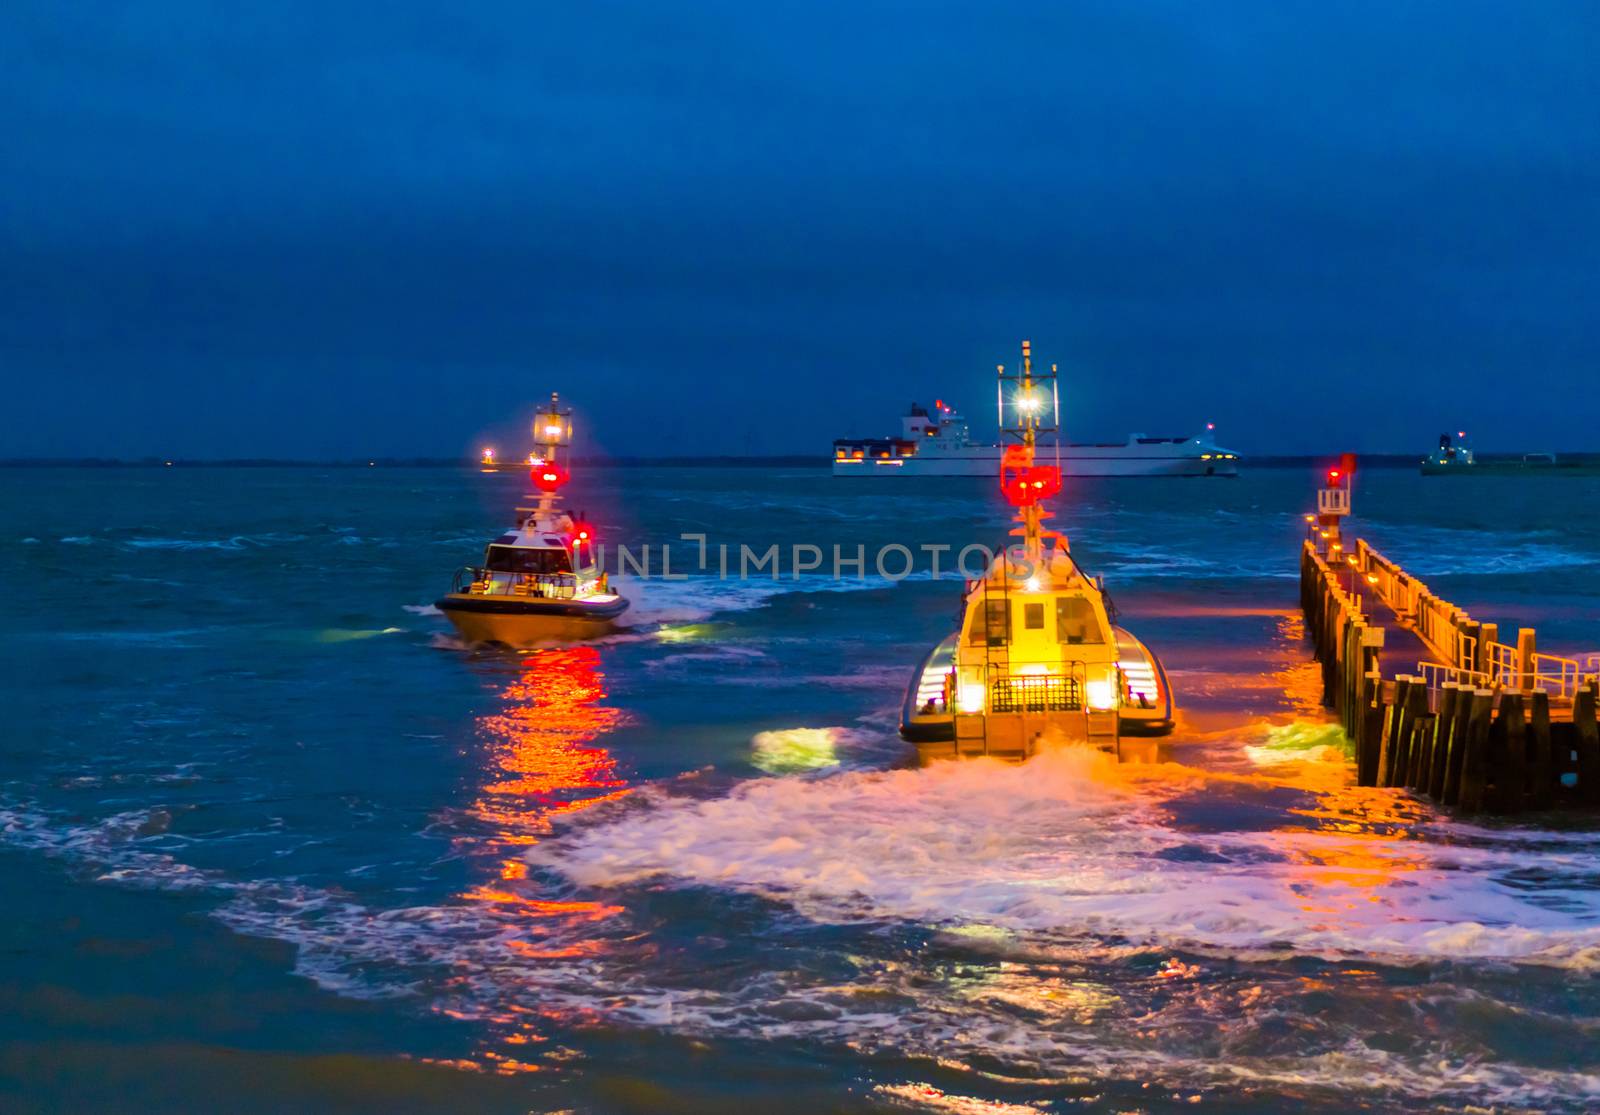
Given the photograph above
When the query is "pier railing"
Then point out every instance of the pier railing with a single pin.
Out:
(1466, 649)
(1483, 726)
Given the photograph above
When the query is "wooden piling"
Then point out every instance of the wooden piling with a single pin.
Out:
(1418, 753)
(1393, 731)
(1541, 760)
(1421, 734)
(1369, 741)
(1475, 755)
(1586, 740)
(1488, 635)
(1511, 772)
(1440, 750)
(1455, 755)
(1417, 713)
(1526, 678)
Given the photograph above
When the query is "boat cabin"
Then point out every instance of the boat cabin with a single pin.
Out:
(1031, 647)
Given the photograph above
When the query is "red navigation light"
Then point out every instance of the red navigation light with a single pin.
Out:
(547, 478)
(582, 534)
(1024, 483)
(1333, 477)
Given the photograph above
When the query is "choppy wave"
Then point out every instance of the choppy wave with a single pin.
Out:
(1062, 847)
(699, 598)
(984, 998)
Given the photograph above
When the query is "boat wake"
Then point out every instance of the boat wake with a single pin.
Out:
(698, 598)
(1064, 922)
(1085, 855)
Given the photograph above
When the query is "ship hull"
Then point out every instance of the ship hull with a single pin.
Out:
(1511, 468)
(1072, 465)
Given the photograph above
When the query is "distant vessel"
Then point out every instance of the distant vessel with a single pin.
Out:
(940, 444)
(539, 582)
(1036, 661)
(1454, 459)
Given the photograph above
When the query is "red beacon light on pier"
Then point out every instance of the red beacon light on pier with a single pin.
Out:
(1333, 505)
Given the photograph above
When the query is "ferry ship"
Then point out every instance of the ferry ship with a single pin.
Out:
(539, 581)
(1453, 458)
(940, 444)
(1037, 660)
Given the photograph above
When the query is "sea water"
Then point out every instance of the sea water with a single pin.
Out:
(271, 838)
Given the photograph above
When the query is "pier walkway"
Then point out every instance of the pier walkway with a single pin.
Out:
(1433, 699)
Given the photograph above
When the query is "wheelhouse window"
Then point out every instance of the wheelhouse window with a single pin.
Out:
(990, 625)
(1076, 622)
(519, 559)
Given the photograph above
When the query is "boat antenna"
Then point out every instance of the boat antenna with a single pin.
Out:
(552, 431)
(1023, 481)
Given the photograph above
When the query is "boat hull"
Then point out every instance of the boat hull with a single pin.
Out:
(521, 623)
(926, 721)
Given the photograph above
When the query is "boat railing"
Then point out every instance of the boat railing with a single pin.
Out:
(479, 581)
(1010, 692)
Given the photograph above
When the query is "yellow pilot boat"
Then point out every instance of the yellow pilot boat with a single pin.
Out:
(1037, 661)
(539, 582)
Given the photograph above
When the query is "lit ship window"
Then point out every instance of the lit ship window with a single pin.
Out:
(1075, 621)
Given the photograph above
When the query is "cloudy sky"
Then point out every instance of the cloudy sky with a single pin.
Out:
(342, 229)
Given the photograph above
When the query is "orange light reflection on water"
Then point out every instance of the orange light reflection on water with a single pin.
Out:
(542, 763)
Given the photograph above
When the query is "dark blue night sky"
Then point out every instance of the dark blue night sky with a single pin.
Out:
(333, 230)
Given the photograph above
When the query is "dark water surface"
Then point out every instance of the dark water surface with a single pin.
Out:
(272, 840)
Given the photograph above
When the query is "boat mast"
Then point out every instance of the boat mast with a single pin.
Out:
(1024, 482)
(552, 431)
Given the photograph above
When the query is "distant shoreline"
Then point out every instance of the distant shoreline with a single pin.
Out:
(1374, 460)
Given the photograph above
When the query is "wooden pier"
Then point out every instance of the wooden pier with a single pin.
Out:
(1434, 701)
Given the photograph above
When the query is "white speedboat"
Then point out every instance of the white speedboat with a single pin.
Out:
(539, 581)
(939, 443)
(1037, 660)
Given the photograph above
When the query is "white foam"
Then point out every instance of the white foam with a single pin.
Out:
(1062, 848)
(493, 962)
(422, 609)
(654, 600)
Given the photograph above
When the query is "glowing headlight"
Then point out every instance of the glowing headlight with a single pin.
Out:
(1102, 694)
(970, 698)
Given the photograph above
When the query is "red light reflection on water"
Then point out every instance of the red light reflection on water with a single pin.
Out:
(542, 763)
